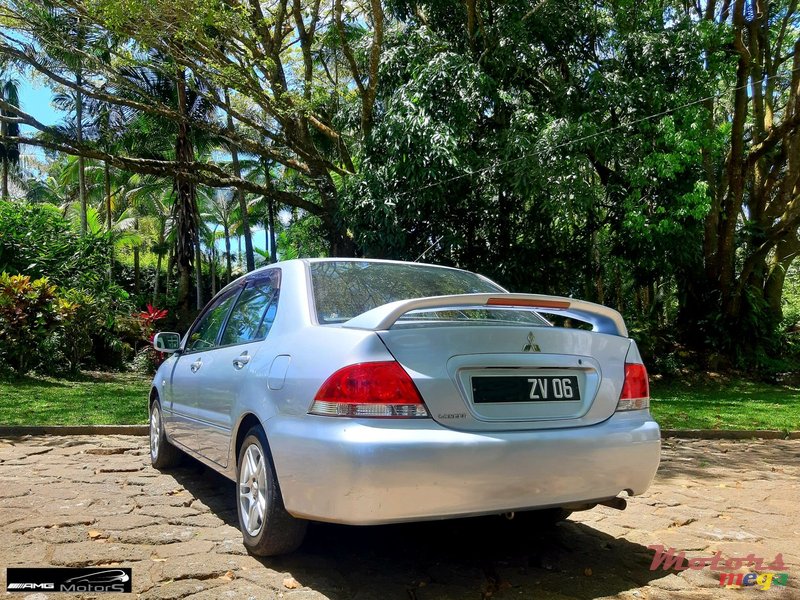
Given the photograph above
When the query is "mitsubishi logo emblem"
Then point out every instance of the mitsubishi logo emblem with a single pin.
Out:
(531, 346)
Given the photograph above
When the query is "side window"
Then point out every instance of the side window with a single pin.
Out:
(254, 312)
(204, 334)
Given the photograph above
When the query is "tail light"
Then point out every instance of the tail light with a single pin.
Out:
(374, 389)
(635, 393)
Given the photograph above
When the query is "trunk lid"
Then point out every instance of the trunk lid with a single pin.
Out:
(491, 378)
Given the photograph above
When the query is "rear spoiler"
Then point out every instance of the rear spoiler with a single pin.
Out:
(602, 318)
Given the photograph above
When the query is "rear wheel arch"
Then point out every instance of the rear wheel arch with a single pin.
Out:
(154, 397)
(247, 422)
(245, 425)
(279, 532)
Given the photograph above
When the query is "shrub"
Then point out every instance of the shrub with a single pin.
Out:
(35, 239)
(148, 359)
(73, 335)
(29, 313)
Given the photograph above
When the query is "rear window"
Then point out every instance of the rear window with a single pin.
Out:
(346, 289)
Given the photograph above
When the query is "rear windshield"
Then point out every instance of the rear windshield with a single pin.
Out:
(345, 289)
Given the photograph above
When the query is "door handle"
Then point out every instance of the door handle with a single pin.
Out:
(195, 366)
(240, 361)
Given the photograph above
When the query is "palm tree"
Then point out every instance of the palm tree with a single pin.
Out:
(240, 195)
(220, 209)
(186, 142)
(148, 198)
(9, 150)
(48, 190)
(260, 171)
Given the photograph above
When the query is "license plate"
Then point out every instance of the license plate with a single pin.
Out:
(537, 388)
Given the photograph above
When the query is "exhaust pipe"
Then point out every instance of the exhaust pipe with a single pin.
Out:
(616, 502)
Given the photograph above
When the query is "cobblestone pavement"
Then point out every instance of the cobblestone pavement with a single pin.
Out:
(81, 501)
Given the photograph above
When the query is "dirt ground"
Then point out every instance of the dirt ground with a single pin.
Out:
(83, 501)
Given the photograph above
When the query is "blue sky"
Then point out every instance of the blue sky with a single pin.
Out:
(35, 100)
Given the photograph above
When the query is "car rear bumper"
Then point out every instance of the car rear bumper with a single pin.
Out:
(365, 472)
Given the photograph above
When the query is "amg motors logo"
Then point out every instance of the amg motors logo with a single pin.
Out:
(99, 579)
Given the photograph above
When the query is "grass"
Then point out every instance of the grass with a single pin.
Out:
(91, 398)
(718, 403)
(95, 398)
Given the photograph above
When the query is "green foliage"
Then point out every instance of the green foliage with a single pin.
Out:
(475, 158)
(573, 148)
(73, 338)
(71, 318)
(30, 312)
(303, 237)
(46, 328)
(37, 240)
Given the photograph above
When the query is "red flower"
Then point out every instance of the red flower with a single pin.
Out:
(152, 314)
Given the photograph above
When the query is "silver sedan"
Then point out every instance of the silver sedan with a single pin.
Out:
(367, 392)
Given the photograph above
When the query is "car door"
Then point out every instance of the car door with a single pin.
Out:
(187, 381)
(242, 339)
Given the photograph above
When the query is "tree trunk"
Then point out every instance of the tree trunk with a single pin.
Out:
(5, 178)
(785, 254)
(161, 232)
(156, 282)
(273, 251)
(240, 196)
(109, 216)
(184, 208)
(137, 275)
(107, 185)
(212, 268)
(199, 273)
(228, 258)
(338, 241)
(81, 160)
(168, 275)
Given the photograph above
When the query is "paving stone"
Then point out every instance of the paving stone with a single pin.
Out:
(231, 547)
(97, 552)
(172, 590)
(182, 549)
(30, 554)
(60, 535)
(671, 582)
(167, 512)
(51, 521)
(154, 535)
(177, 499)
(241, 590)
(76, 501)
(123, 522)
(204, 566)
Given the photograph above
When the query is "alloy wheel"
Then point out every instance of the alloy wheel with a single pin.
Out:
(253, 490)
(155, 431)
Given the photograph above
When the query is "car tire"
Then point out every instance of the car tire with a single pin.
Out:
(163, 455)
(267, 528)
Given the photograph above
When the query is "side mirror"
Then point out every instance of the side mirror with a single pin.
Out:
(167, 341)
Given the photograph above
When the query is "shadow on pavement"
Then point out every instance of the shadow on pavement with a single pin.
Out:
(703, 460)
(476, 558)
